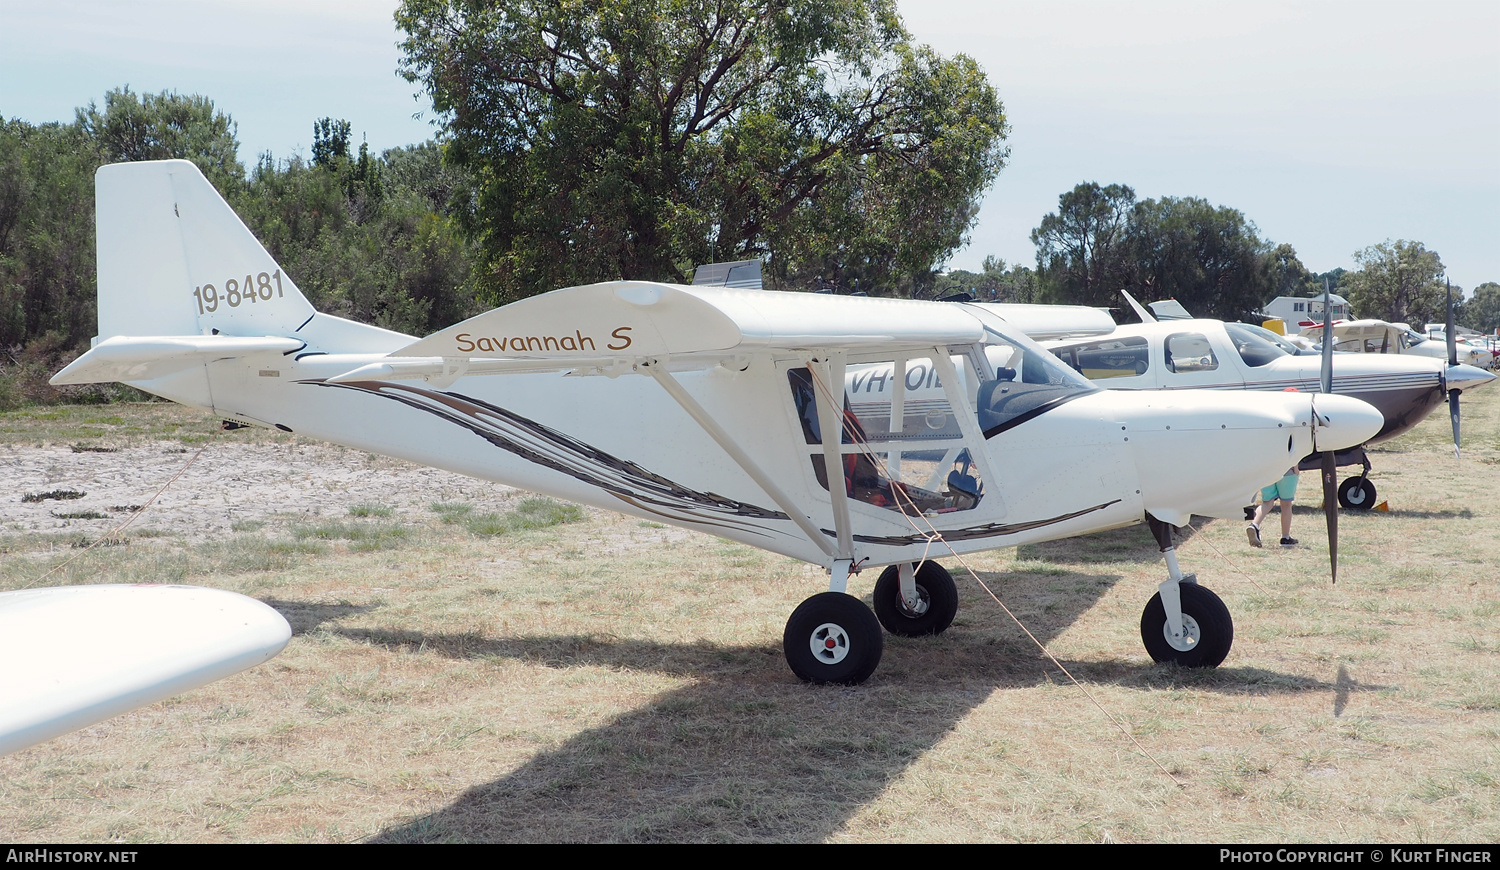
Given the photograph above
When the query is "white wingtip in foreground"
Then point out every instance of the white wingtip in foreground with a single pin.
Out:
(76, 655)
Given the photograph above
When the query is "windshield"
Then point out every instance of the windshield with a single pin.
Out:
(1278, 340)
(1254, 348)
(1028, 380)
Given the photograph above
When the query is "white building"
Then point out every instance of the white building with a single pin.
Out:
(1300, 312)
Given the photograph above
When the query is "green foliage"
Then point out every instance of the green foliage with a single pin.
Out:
(1083, 249)
(165, 126)
(1288, 276)
(1398, 281)
(46, 233)
(997, 282)
(362, 245)
(1209, 258)
(615, 139)
(1482, 311)
(330, 142)
(1333, 279)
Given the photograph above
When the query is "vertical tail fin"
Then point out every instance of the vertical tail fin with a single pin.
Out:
(174, 259)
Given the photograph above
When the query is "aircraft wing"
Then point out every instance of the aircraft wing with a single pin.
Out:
(639, 319)
(75, 655)
(1043, 322)
(142, 358)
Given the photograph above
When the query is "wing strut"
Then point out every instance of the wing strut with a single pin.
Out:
(657, 369)
(830, 421)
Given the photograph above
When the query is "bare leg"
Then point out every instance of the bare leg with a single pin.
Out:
(1286, 518)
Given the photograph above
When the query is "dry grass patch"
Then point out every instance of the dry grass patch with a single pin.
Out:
(610, 679)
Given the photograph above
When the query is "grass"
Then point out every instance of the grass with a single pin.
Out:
(601, 678)
(536, 512)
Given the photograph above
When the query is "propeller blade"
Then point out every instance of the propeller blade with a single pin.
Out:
(1453, 414)
(1452, 361)
(1331, 510)
(1452, 332)
(1325, 378)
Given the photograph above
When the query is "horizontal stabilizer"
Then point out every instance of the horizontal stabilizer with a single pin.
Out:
(76, 655)
(642, 320)
(142, 358)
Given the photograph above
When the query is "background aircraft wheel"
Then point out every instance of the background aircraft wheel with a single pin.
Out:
(933, 614)
(1205, 620)
(832, 638)
(1357, 493)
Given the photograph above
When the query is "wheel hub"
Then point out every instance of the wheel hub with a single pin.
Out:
(829, 643)
(916, 608)
(1191, 634)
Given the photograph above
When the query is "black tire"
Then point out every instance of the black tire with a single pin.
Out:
(1203, 607)
(846, 634)
(1357, 494)
(939, 601)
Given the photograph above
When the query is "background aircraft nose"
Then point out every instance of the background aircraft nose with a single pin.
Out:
(1464, 377)
(1344, 421)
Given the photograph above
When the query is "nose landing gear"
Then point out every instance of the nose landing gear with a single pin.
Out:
(1184, 622)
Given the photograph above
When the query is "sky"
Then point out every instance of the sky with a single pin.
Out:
(1332, 125)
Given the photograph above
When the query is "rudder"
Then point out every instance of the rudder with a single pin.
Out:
(174, 259)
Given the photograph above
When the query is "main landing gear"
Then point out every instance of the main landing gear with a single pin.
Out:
(833, 637)
(1184, 622)
(1355, 493)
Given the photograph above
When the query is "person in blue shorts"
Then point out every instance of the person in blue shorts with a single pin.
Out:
(1283, 490)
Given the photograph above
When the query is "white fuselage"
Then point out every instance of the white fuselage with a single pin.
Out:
(1097, 460)
(1201, 354)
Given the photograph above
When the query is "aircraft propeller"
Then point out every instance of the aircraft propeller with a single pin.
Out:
(1452, 363)
(1329, 470)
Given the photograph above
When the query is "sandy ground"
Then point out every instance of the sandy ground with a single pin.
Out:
(229, 483)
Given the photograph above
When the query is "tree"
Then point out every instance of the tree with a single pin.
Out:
(363, 245)
(997, 282)
(1207, 257)
(615, 139)
(165, 126)
(1482, 311)
(1082, 248)
(1398, 281)
(330, 142)
(1287, 275)
(46, 233)
(1332, 279)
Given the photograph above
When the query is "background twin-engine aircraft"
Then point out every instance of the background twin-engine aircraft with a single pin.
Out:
(1180, 353)
(713, 408)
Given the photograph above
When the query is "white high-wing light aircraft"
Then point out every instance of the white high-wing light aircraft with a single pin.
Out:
(710, 408)
(1182, 354)
(1379, 336)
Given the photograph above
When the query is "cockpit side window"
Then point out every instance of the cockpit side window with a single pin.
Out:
(916, 462)
(1190, 352)
(1111, 358)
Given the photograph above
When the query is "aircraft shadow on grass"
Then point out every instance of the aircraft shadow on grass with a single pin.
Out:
(305, 617)
(745, 752)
